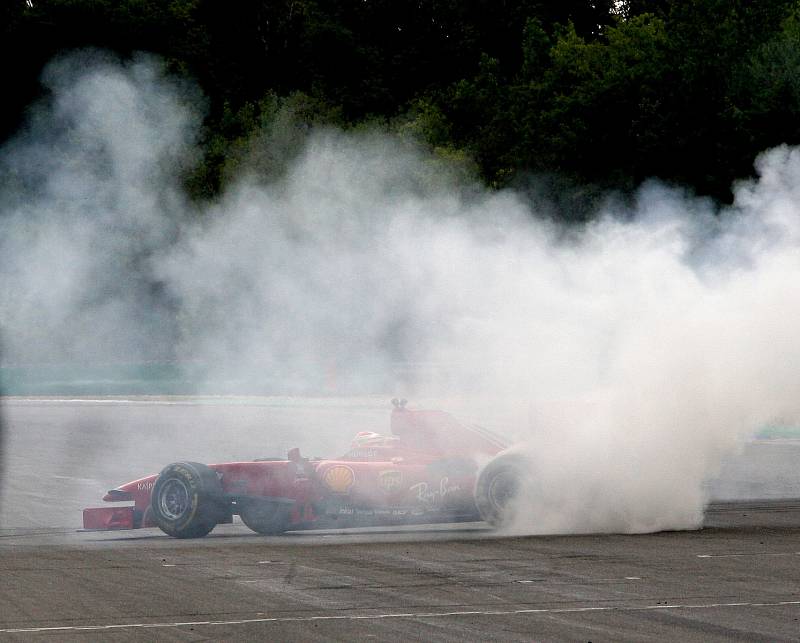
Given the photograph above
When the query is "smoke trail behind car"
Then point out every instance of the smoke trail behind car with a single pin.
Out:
(628, 357)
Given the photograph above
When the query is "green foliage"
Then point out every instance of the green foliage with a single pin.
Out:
(425, 125)
(258, 138)
(653, 95)
(600, 93)
(536, 44)
(773, 73)
(601, 101)
(708, 40)
(584, 108)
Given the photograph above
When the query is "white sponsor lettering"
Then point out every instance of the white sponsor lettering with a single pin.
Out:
(362, 454)
(429, 496)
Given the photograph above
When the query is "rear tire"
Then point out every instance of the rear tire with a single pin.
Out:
(499, 486)
(268, 518)
(187, 500)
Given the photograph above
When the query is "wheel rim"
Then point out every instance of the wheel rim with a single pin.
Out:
(503, 488)
(174, 499)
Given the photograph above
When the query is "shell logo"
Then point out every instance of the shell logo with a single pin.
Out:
(339, 479)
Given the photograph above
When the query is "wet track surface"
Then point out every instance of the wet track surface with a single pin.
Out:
(735, 579)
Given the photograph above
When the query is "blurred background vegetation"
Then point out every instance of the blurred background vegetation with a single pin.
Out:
(584, 97)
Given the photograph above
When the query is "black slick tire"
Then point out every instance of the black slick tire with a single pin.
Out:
(187, 500)
(498, 488)
(265, 517)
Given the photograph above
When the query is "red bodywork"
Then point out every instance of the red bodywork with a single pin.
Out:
(425, 472)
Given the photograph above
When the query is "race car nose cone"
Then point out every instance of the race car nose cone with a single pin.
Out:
(117, 495)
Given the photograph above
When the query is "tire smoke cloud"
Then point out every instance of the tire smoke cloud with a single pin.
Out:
(628, 357)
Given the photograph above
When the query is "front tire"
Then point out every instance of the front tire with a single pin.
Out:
(186, 500)
(499, 487)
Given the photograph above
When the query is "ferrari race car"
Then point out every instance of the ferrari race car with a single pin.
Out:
(428, 470)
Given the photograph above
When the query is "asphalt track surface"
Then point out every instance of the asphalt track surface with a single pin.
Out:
(735, 579)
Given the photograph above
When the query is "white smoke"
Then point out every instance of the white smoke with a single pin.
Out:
(90, 192)
(627, 357)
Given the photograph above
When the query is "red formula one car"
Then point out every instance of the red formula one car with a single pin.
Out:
(428, 470)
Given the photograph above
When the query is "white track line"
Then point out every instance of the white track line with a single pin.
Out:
(375, 617)
(765, 553)
(226, 401)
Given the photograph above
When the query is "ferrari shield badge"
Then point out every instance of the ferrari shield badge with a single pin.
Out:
(339, 479)
(390, 480)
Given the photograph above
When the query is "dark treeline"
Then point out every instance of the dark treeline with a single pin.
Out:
(600, 94)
